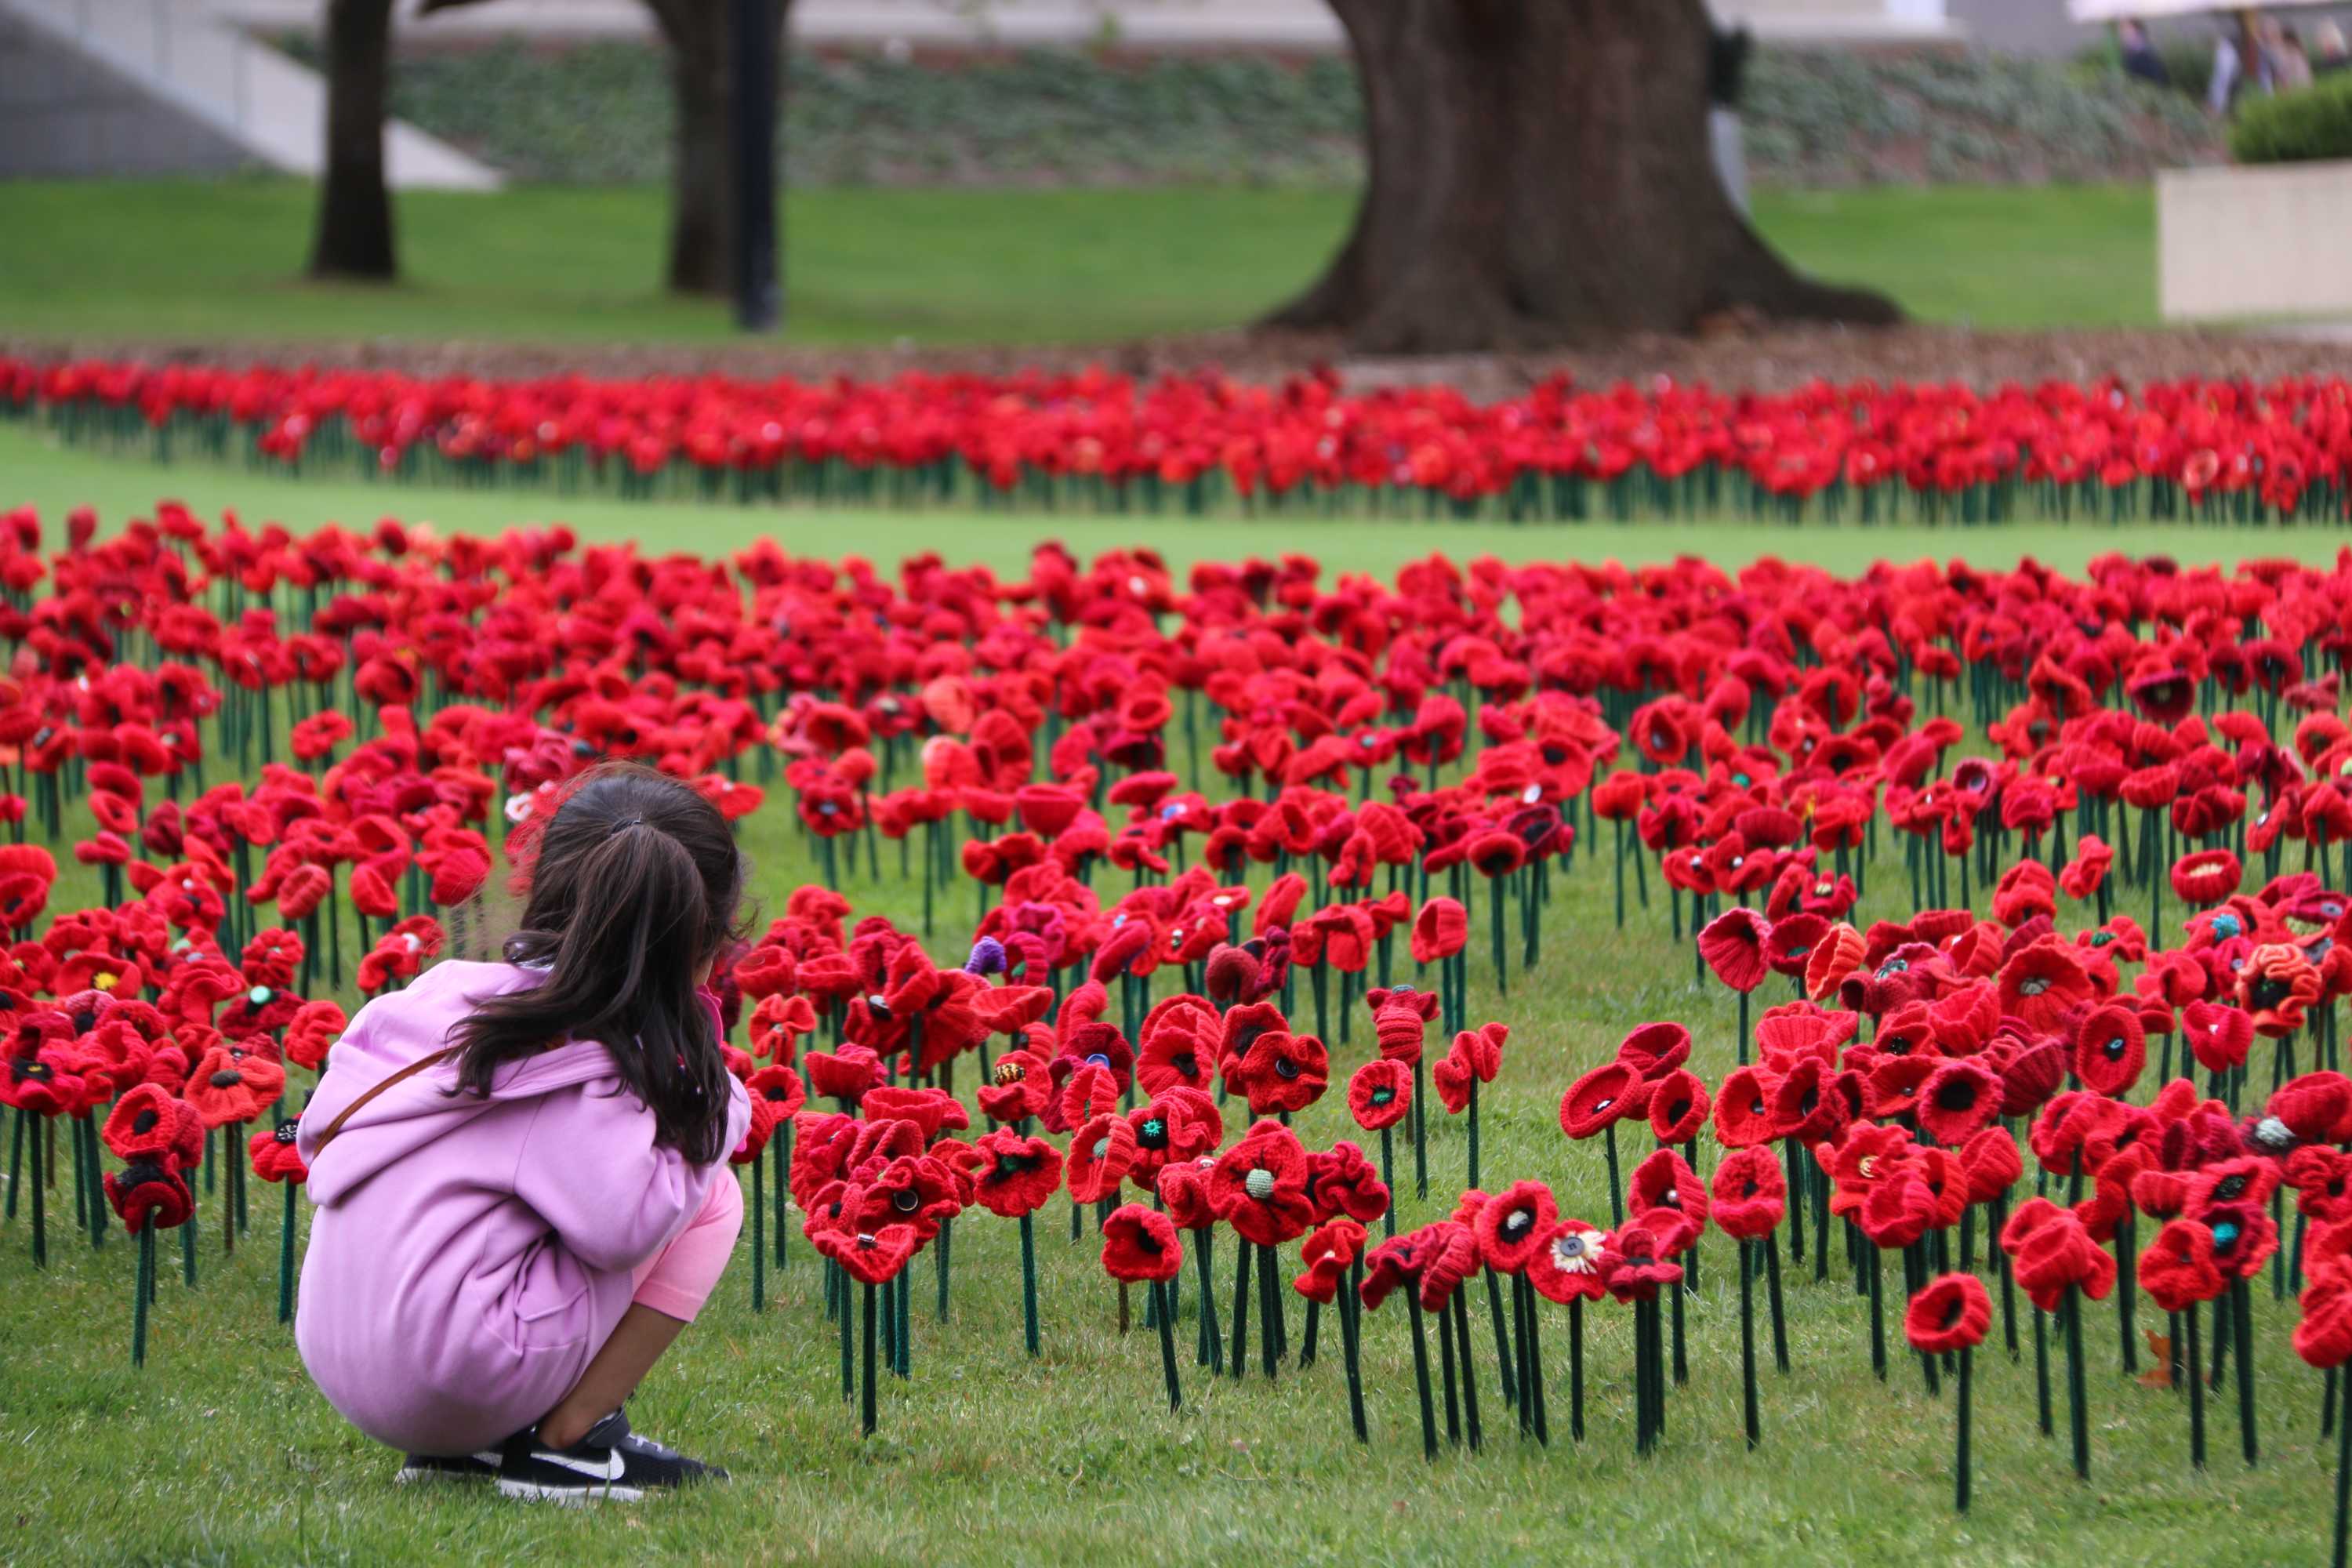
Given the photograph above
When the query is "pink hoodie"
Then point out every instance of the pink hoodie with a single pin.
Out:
(469, 1254)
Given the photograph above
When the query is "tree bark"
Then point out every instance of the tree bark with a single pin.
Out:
(1538, 173)
(702, 214)
(354, 234)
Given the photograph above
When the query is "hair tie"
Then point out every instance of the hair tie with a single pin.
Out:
(628, 821)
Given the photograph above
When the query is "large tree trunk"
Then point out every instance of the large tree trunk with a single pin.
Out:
(702, 209)
(1540, 172)
(354, 234)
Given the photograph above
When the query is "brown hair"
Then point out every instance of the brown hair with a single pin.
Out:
(632, 887)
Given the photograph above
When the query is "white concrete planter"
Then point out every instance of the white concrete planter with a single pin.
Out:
(2269, 240)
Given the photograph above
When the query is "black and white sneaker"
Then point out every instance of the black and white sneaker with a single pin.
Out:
(610, 1464)
(479, 1466)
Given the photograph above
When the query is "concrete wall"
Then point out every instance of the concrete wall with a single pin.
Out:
(63, 113)
(2244, 242)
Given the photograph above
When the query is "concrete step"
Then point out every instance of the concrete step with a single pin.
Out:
(117, 86)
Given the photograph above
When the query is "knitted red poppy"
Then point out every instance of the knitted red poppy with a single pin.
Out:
(1440, 931)
(870, 1257)
(1340, 1181)
(273, 1154)
(2050, 1251)
(1018, 1174)
(2218, 1034)
(1958, 1099)
(1259, 1186)
(1512, 1226)
(148, 1190)
(1669, 1200)
(2110, 1049)
(1101, 1150)
(1951, 1312)
(1327, 1252)
(232, 1083)
(1634, 1267)
(1380, 1093)
(2324, 1336)
(1139, 1244)
(1992, 1163)
(2178, 1271)
(1733, 945)
(1748, 1193)
(1597, 1101)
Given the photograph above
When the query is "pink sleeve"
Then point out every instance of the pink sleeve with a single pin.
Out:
(590, 1169)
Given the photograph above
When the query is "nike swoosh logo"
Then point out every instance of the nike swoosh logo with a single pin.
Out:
(610, 1469)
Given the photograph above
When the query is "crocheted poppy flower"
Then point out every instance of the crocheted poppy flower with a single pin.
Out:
(2110, 1049)
(1259, 1186)
(1380, 1093)
(2083, 876)
(148, 1190)
(2178, 1271)
(2322, 1179)
(273, 1154)
(1100, 1153)
(2207, 877)
(2050, 1251)
(1667, 1197)
(2244, 1236)
(1597, 1101)
(1899, 1209)
(142, 1125)
(1990, 1163)
(1397, 1263)
(1958, 1099)
(843, 1076)
(1636, 1268)
(1243, 1026)
(1568, 1263)
(1951, 1312)
(1806, 1105)
(1441, 930)
(1282, 1071)
(1180, 1045)
(2218, 1034)
(1750, 1193)
(1139, 1244)
(1328, 1251)
(2277, 983)
(1020, 1086)
(1340, 1181)
(1861, 1154)
(2316, 1107)
(1735, 945)
(1678, 1107)
(1401, 1020)
(1018, 1175)
(870, 1257)
(1476, 1055)
(232, 1083)
(1088, 1090)
(1180, 1125)
(2324, 1336)
(2042, 983)
(1743, 1110)
(1653, 1051)
(1514, 1223)
(1184, 1189)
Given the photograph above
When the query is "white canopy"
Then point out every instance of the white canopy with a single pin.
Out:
(2146, 10)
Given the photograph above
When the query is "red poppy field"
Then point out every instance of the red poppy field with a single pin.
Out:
(1535, 1059)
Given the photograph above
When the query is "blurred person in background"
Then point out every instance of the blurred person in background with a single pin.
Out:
(2289, 67)
(2332, 55)
(2139, 57)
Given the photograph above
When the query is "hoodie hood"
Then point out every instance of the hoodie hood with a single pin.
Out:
(397, 1030)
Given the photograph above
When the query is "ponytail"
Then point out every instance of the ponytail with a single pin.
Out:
(633, 889)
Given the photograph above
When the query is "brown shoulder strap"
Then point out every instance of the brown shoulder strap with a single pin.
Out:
(403, 1075)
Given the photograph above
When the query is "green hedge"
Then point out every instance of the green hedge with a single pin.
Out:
(2296, 127)
(600, 113)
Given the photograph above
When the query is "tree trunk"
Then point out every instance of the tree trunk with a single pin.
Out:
(354, 234)
(1540, 172)
(703, 208)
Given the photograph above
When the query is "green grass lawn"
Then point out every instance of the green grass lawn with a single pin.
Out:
(219, 1451)
(56, 478)
(222, 259)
